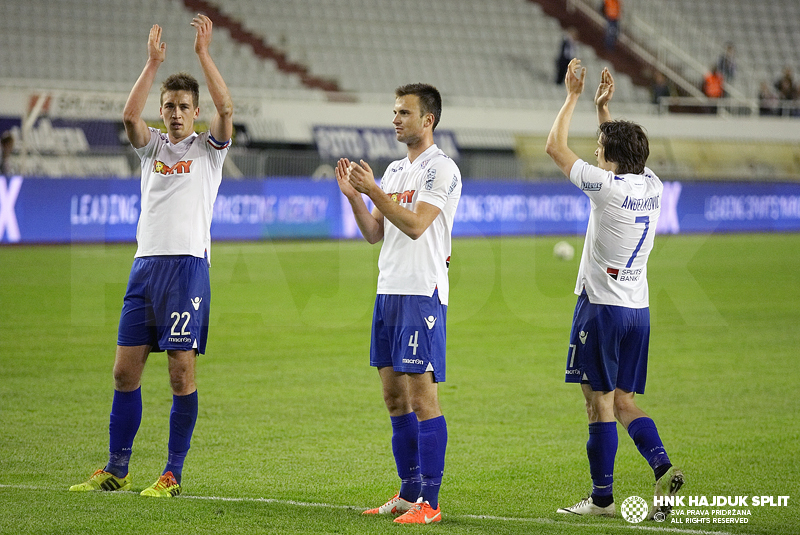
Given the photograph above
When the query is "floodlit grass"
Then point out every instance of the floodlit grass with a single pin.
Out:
(292, 435)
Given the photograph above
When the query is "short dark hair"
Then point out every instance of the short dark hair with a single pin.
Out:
(430, 101)
(182, 81)
(625, 143)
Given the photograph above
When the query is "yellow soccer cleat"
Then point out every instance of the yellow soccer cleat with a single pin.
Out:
(102, 480)
(165, 487)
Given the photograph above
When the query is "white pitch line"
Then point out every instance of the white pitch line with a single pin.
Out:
(657, 529)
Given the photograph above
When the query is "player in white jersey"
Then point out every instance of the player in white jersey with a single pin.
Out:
(166, 305)
(611, 326)
(415, 205)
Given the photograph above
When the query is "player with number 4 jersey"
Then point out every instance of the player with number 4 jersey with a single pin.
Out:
(610, 333)
(415, 207)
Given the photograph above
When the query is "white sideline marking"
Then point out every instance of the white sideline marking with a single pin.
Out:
(657, 529)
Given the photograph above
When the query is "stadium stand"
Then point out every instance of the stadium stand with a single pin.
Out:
(499, 52)
(766, 34)
(485, 56)
(101, 44)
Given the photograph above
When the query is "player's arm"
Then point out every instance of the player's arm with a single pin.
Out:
(369, 223)
(135, 127)
(603, 96)
(412, 223)
(221, 126)
(557, 147)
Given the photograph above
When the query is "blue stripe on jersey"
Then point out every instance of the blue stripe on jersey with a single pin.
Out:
(216, 144)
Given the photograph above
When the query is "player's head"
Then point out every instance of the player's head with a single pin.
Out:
(430, 101)
(182, 81)
(625, 144)
(180, 94)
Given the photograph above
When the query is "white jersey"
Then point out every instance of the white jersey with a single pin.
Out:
(418, 267)
(619, 237)
(179, 185)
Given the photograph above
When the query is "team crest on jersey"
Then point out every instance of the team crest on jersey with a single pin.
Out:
(180, 168)
(429, 179)
(404, 197)
(423, 164)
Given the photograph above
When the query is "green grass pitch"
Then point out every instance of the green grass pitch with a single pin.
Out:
(293, 437)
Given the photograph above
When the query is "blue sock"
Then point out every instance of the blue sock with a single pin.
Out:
(602, 449)
(182, 418)
(405, 446)
(645, 435)
(124, 421)
(432, 446)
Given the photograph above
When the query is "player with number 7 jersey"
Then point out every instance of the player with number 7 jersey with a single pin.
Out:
(610, 335)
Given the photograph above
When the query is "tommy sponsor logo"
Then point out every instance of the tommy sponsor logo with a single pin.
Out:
(430, 321)
(196, 302)
(405, 197)
(613, 273)
(9, 191)
(583, 335)
(591, 186)
(179, 168)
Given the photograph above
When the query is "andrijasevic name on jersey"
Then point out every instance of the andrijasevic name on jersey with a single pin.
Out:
(641, 205)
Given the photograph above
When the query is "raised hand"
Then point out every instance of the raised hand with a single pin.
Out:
(156, 50)
(605, 90)
(203, 26)
(343, 178)
(575, 77)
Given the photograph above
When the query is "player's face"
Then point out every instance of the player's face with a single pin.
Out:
(601, 156)
(409, 123)
(178, 113)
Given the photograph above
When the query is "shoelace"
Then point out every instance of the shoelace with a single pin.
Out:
(581, 503)
(164, 482)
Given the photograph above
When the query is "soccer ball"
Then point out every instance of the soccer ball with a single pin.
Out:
(563, 250)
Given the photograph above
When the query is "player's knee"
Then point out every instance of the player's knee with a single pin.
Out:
(181, 383)
(623, 406)
(125, 379)
(396, 403)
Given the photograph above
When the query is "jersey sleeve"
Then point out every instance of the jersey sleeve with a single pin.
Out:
(593, 181)
(217, 150)
(440, 181)
(149, 150)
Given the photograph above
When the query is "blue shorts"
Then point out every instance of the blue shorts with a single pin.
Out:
(166, 305)
(608, 347)
(409, 334)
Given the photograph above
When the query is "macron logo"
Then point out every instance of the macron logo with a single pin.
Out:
(196, 302)
(583, 335)
(430, 320)
(9, 191)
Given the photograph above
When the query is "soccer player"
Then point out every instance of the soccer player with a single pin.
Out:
(611, 325)
(414, 209)
(166, 305)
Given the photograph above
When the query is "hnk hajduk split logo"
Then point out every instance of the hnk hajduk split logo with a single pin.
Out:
(634, 509)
